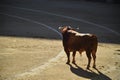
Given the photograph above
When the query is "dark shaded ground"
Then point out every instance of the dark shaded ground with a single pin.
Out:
(88, 73)
(104, 14)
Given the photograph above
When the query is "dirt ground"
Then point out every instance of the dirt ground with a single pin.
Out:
(21, 57)
(31, 47)
(21, 54)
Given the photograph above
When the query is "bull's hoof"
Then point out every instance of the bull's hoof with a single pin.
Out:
(68, 63)
(94, 66)
(88, 67)
(73, 62)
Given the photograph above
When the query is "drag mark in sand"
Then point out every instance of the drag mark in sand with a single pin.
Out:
(36, 22)
(42, 67)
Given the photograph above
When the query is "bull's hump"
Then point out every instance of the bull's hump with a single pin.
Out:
(81, 34)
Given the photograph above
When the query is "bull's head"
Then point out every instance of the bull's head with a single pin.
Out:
(65, 28)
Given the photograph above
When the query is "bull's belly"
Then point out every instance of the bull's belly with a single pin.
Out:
(79, 50)
(77, 46)
(71, 49)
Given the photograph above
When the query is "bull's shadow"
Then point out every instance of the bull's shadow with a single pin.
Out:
(88, 73)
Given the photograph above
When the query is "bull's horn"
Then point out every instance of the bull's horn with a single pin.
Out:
(69, 26)
(60, 27)
(77, 28)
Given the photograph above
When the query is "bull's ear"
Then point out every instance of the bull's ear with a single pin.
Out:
(61, 29)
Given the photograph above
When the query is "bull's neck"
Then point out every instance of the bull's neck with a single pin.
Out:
(65, 37)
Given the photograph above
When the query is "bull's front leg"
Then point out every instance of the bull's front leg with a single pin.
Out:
(68, 56)
(74, 52)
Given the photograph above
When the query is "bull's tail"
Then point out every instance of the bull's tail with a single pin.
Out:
(95, 44)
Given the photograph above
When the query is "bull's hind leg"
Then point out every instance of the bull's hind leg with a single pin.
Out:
(89, 58)
(94, 58)
(74, 52)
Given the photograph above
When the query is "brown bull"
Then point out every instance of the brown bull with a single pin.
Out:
(74, 41)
